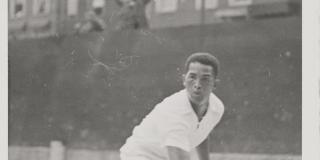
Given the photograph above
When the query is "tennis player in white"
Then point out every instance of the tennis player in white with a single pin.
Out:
(179, 126)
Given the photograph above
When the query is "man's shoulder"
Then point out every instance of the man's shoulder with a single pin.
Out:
(174, 102)
(176, 96)
(217, 102)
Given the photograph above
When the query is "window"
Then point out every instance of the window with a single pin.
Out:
(17, 8)
(209, 4)
(72, 7)
(98, 3)
(240, 2)
(163, 6)
(41, 7)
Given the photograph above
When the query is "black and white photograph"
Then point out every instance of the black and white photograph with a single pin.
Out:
(158, 80)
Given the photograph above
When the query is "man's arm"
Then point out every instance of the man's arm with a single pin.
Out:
(176, 153)
(203, 150)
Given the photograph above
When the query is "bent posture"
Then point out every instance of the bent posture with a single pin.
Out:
(179, 126)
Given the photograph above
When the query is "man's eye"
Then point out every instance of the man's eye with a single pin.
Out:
(206, 79)
(192, 77)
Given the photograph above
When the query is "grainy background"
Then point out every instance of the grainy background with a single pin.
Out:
(89, 90)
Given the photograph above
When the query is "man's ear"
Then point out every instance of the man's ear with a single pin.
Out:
(216, 81)
(183, 78)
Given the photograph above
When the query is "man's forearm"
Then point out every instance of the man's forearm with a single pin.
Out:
(177, 154)
(203, 150)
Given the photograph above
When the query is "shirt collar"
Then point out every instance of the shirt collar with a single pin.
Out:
(189, 109)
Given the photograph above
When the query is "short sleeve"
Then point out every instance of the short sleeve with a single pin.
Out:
(175, 133)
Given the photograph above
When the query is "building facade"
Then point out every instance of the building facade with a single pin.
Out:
(31, 18)
(43, 18)
(171, 13)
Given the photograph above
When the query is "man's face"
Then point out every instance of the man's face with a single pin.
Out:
(199, 82)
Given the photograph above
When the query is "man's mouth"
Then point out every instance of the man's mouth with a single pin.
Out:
(196, 93)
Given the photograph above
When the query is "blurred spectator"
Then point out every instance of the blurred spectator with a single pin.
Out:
(93, 22)
(132, 14)
(98, 6)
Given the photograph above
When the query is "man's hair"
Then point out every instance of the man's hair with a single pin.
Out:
(203, 58)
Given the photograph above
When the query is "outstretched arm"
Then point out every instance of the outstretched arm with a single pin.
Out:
(176, 153)
(203, 150)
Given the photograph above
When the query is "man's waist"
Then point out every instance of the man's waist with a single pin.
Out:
(147, 148)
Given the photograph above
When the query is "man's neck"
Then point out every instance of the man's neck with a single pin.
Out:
(200, 109)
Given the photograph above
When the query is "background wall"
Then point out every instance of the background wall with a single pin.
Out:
(90, 90)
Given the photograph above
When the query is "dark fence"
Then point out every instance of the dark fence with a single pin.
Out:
(90, 90)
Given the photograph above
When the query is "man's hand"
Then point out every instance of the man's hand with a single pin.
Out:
(176, 153)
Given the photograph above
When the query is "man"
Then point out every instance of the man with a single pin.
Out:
(179, 126)
(132, 14)
(92, 23)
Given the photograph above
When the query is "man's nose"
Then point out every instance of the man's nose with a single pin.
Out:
(197, 84)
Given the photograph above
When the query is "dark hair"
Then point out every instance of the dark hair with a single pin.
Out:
(203, 58)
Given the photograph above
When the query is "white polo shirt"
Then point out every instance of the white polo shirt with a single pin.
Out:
(172, 122)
